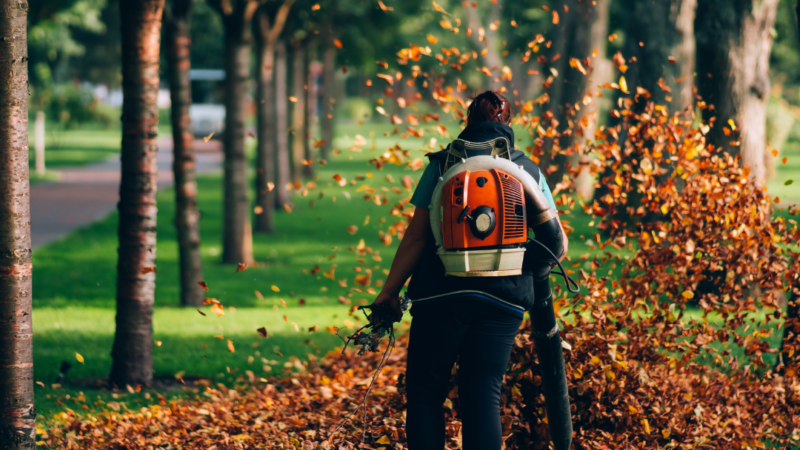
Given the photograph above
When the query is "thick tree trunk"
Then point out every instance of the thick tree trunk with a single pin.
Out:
(733, 47)
(299, 111)
(328, 95)
(265, 154)
(236, 238)
(282, 128)
(132, 352)
(665, 29)
(17, 413)
(187, 216)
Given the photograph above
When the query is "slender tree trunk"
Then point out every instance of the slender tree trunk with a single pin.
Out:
(684, 52)
(570, 88)
(299, 111)
(236, 239)
(310, 109)
(187, 216)
(132, 352)
(329, 95)
(265, 155)
(733, 47)
(17, 413)
(282, 127)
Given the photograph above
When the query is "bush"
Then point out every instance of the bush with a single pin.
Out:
(72, 106)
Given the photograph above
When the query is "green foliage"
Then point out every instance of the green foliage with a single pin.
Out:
(51, 39)
(69, 106)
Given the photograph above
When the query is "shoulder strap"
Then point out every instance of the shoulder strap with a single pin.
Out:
(531, 167)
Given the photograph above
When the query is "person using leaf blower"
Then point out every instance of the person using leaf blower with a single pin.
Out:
(474, 272)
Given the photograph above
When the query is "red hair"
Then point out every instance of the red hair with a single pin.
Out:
(489, 107)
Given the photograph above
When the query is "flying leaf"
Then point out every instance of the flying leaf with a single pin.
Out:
(337, 43)
(230, 346)
(148, 270)
(79, 357)
(208, 138)
(241, 267)
(216, 308)
(263, 332)
(384, 7)
(276, 288)
(623, 85)
(201, 312)
(555, 18)
(788, 182)
(203, 285)
(438, 8)
(432, 39)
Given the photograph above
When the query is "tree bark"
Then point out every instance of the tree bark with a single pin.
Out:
(684, 52)
(299, 111)
(328, 93)
(733, 46)
(187, 216)
(267, 37)
(282, 124)
(132, 352)
(17, 413)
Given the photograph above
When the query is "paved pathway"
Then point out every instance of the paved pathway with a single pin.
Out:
(88, 193)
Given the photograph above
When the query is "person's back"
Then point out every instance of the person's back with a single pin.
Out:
(473, 319)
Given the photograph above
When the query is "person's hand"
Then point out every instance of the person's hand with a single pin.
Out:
(392, 301)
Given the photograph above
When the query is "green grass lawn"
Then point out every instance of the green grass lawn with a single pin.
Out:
(74, 279)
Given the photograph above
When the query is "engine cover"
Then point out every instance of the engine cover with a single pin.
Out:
(481, 209)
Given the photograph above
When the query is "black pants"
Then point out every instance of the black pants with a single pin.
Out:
(481, 336)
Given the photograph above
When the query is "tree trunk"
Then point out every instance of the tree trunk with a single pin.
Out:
(235, 234)
(282, 127)
(265, 154)
(298, 116)
(733, 47)
(484, 38)
(17, 413)
(132, 352)
(187, 216)
(310, 109)
(569, 89)
(684, 52)
(791, 327)
(665, 29)
(329, 96)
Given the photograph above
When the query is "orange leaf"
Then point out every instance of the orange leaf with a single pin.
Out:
(216, 308)
(337, 43)
(203, 285)
(230, 346)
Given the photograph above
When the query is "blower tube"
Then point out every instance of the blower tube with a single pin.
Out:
(551, 365)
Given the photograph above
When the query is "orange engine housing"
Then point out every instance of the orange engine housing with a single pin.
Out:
(483, 209)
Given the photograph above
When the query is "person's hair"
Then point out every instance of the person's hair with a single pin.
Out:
(489, 107)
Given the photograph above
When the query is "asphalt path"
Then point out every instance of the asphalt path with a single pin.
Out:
(85, 194)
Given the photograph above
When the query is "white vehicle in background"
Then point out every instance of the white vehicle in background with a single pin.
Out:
(207, 111)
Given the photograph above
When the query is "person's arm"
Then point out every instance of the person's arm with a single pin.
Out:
(406, 259)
